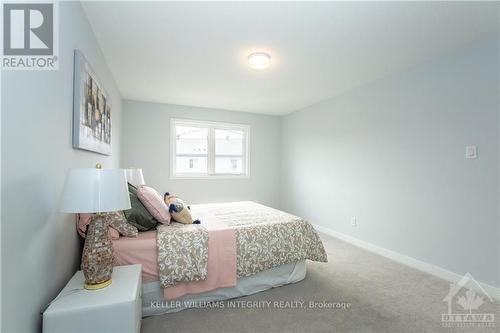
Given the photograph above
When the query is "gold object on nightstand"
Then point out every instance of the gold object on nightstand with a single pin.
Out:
(98, 285)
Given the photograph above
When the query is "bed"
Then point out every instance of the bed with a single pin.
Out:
(240, 248)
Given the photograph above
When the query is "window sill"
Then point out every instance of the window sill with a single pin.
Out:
(207, 177)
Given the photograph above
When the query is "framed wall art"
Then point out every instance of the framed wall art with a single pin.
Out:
(91, 110)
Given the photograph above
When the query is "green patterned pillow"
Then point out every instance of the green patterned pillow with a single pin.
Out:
(138, 215)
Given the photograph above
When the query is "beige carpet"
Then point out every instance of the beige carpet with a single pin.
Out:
(384, 296)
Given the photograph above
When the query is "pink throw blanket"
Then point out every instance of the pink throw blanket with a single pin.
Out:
(221, 266)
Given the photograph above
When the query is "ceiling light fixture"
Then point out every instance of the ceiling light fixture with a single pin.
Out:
(259, 60)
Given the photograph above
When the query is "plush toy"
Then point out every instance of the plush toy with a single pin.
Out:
(178, 209)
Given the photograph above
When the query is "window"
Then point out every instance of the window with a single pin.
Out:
(201, 149)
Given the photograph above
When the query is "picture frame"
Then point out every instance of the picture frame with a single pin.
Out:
(92, 122)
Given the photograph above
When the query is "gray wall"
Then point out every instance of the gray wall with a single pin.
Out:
(391, 153)
(146, 137)
(40, 248)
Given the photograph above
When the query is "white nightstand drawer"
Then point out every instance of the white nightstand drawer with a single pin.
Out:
(117, 308)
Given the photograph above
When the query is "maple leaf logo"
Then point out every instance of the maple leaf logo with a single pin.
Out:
(471, 301)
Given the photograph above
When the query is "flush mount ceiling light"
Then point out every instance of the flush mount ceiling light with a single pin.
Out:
(259, 60)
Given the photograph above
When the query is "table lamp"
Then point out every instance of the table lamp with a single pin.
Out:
(135, 177)
(96, 191)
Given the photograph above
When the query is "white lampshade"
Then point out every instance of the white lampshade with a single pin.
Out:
(135, 177)
(95, 191)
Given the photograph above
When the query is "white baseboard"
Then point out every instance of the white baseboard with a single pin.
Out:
(406, 260)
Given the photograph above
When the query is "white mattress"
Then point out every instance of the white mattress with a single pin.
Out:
(153, 302)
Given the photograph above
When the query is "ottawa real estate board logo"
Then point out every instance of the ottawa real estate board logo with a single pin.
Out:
(464, 302)
(30, 36)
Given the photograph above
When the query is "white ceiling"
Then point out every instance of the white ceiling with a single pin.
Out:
(195, 53)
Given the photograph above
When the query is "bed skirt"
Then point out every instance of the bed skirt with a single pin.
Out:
(153, 302)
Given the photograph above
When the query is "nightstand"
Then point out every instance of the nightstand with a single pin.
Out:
(116, 308)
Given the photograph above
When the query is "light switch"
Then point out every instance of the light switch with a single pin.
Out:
(470, 152)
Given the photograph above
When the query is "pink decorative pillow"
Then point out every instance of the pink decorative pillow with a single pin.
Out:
(154, 203)
(83, 220)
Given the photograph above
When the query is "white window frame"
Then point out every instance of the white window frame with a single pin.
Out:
(211, 126)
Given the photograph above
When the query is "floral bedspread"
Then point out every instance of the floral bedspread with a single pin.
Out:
(265, 238)
(182, 253)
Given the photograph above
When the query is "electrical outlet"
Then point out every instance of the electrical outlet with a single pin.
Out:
(353, 221)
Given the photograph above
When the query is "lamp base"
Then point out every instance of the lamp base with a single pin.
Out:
(97, 255)
(97, 286)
